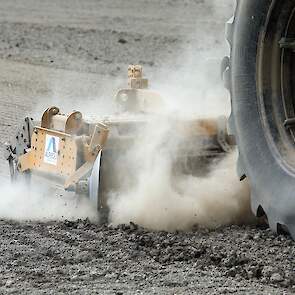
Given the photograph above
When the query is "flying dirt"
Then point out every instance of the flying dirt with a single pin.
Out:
(22, 204)
(148, 164)
(158, 202)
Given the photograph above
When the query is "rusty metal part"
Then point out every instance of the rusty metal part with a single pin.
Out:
(47, 116)
(62, 153)
(192, 127)
(135, 77)
(70, 124)
(91, 151)
(99, 138)
(66, 153)
(137, 98)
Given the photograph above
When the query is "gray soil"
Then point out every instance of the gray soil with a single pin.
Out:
(75, 54)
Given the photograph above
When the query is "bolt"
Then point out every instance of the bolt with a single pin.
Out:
(78, 116)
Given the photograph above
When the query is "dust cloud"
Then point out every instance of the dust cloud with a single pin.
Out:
(23, 202)
(162, 199)
(150, 192)
(157, 198)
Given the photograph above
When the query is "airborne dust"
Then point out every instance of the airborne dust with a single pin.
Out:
(19, 202)
(159, 200)
(192, 87)
(156, 198)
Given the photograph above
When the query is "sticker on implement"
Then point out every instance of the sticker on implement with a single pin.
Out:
(51, 149)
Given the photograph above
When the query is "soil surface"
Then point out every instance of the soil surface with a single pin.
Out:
(74, 54)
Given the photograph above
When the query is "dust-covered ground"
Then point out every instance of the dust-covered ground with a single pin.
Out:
(74, 54)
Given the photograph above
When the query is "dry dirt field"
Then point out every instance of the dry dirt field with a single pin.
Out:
(74, 54)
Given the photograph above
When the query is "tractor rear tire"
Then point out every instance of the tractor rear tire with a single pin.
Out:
(260, 75)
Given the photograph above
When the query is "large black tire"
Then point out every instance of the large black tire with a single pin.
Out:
(260, 76)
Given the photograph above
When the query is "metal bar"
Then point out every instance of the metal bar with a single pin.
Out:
(52, 131)
(287, 43)
(289, 123)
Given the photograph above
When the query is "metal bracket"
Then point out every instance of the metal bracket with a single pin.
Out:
(287, 43)
(135, 77)
(98, 140)
(289, 123)
(19, 146)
